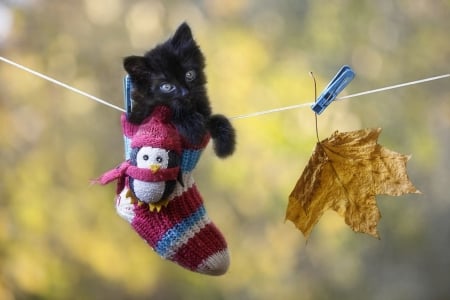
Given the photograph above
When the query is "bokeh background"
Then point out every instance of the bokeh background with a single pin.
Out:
(60, 237)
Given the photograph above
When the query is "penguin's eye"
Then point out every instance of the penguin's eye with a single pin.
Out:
(159, 159)
(145, 157)
(166, 87)
(190, 75)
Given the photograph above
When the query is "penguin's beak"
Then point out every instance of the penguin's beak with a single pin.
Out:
(154, 168)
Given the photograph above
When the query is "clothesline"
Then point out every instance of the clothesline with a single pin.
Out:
(62, 84)
(254, 114)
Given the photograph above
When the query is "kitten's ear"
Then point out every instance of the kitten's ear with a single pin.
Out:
(182, 35)
(135, 65)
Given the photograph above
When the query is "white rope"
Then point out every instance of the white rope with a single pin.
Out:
(264, 112)
(64, 85)
(259, 113)
(394, 86)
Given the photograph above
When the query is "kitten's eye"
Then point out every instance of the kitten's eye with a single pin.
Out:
(166, 87)
(190, 75)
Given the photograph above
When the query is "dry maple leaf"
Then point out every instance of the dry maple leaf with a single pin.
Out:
(345, 173)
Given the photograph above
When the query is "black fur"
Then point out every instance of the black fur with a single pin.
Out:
(222, 133)
(178, 64)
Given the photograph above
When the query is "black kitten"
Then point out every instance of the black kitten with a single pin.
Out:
(172, 74)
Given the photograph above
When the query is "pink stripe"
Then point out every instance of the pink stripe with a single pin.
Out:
(204, 244)
(151, 226)
(128, 128)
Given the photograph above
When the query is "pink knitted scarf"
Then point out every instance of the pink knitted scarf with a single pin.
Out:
(147, 175)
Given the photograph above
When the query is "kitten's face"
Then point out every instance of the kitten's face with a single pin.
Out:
(171, 74)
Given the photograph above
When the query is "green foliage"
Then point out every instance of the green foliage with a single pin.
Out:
(60, 238)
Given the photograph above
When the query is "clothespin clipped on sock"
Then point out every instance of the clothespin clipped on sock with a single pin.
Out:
(336, 85)
(127, 87)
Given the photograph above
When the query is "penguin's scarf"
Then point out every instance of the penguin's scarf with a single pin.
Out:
(147, 175)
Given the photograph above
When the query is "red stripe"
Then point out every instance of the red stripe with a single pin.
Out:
(204, 244)
(151, 226)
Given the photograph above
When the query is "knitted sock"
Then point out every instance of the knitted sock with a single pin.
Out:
(179, 229)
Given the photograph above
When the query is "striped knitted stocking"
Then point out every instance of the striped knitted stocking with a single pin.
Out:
(179, 229)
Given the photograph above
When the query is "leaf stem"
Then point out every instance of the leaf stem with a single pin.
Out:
(315, 99)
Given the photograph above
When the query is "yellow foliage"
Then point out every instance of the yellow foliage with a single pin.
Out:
(345, 173)
(61, 238)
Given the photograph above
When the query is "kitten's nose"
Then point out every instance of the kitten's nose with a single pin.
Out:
(183, 91)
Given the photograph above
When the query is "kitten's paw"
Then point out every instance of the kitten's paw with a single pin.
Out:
(223, 135)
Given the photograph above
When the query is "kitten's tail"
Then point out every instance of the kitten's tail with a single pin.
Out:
(223, 135)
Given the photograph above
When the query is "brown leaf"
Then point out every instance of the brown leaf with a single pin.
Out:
(345, 173)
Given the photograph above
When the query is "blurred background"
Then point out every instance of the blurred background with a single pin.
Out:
(60, 237)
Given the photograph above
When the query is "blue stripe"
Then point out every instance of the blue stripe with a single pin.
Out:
(173, 235)
(189, 159)
(127, 86)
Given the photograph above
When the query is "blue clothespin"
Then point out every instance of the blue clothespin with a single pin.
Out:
(336, 85)
(127, 87)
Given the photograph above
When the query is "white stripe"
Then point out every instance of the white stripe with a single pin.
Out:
(188, 234)
(188, 182)
(215, 264)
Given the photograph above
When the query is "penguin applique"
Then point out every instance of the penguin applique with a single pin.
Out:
(168, 215)
(154, 159)
(153, 170)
